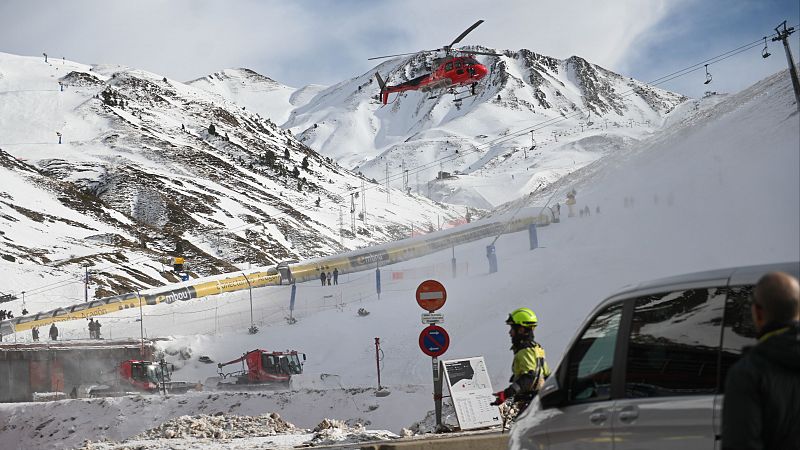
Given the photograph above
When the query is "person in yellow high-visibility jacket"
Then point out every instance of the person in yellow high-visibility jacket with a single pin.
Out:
(529, 368)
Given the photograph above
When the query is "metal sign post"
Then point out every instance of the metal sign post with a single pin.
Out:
(291, 303)
(437, 391)
(433, 340)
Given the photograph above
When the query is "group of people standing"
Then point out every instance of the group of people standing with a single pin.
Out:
(53, 333)
(326, 277)
(94, 329)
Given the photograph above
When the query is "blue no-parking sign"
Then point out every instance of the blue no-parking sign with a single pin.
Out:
(434, 340)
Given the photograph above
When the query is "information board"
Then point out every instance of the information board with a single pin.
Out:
(471, 392)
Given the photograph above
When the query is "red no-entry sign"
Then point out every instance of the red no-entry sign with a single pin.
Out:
(434, 340)
(431, 295)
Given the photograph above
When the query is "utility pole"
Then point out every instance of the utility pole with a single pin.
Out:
(352, 212)
(341, 227)
(388, 194)
(141, 321)
(405, 176)
(363, 203)
(783, 35)
(253, 329)
(86, 284)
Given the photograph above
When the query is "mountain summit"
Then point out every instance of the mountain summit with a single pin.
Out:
(575, 110)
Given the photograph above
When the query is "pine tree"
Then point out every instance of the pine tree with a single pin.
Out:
(212, 130)
(305, 162)
(269, 158)
(286, 153)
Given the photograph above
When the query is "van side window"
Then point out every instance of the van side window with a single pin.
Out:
(674, 344)
(591, 359)
(738, 330)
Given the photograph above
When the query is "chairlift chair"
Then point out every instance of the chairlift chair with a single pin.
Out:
(708, 76)
(765, 53)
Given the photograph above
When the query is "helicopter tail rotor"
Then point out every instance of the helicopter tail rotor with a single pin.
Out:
(382, 84)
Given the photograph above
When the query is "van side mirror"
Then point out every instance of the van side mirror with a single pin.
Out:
(304, 356)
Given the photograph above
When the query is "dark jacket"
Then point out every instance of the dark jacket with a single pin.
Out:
(761, 408)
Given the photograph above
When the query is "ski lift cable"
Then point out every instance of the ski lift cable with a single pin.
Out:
(713, 58)
(655, 82)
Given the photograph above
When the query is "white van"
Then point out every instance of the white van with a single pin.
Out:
(647, 369)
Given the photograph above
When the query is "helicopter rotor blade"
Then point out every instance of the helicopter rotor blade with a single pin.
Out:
(466, 32)
(391, 56)
(401, 54)
(480, 53)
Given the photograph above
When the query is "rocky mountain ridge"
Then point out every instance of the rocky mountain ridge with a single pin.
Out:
(144, 165)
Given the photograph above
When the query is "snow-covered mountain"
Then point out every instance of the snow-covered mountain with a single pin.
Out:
(206, 164)
(718, 188)
(534, 117)
(111, 167)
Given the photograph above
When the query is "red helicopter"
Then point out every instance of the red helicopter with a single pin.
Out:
(451, 71)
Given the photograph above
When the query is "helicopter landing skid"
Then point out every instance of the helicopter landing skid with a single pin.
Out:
(458, 99)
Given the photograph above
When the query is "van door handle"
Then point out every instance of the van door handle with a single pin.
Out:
(598, 416)
(628, 414)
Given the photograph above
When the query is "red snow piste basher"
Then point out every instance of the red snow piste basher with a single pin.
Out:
(136, 376)
(260, 369)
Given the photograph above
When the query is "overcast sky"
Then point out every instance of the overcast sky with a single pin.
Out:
(298, 42)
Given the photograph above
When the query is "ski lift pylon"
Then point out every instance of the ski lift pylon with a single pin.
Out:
(708, 76)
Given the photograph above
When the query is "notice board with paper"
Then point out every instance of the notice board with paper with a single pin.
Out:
(471, 392)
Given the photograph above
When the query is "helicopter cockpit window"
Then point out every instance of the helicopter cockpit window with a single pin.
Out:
(448, 67)
(458, 64)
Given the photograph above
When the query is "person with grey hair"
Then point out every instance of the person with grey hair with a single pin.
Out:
(761, 408)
